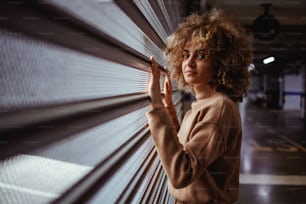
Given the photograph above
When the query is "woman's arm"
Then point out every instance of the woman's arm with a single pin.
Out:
(182, 163)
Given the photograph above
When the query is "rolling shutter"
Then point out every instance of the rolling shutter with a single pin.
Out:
(73, 90)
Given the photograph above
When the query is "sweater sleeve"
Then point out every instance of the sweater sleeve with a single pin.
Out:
(183, 164)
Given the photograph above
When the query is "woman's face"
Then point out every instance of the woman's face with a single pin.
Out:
(196, 66)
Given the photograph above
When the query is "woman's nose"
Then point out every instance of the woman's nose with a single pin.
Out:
(191, 61)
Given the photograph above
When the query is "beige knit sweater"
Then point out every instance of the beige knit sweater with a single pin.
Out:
(201, 160)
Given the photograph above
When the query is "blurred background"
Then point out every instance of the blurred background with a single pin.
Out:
(73, 81)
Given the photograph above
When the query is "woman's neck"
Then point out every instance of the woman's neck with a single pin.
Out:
(203, 91)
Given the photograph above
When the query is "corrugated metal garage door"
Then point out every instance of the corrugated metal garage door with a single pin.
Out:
(73, 84)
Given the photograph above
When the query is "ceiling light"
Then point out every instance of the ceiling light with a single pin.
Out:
(251, 67)
(268, 60)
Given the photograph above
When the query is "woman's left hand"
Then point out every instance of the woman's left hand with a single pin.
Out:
(168, 90)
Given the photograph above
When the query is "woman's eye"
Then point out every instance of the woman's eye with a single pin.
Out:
(185, 56)
(201, 56)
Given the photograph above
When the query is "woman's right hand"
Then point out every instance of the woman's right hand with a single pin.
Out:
(154, 86)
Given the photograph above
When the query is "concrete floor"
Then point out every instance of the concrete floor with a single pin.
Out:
(273, 157)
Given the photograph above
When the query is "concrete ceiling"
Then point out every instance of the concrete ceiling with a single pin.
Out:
(288, 47)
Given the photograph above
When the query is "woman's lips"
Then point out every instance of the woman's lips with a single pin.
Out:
(189, 72)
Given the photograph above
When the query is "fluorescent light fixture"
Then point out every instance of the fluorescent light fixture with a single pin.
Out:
(268, 60)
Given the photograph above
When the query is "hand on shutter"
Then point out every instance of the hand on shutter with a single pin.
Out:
(154, 86)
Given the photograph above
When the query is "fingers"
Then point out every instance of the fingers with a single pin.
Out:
(152, 59)
(154, 68)
(167, 84)
(154, 85)
(167, 89)
(153, 63)
(155, 73)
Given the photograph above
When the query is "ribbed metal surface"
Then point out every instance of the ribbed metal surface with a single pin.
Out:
(124, 175)
(48, 172)
(32, 179)
(96, 144)
(36, 73)
(162, 15)
(73, 98)
(106, 16)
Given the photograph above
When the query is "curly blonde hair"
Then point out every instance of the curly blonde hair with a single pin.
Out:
(225, 41)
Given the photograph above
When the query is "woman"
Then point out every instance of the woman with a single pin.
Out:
(209, 55)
